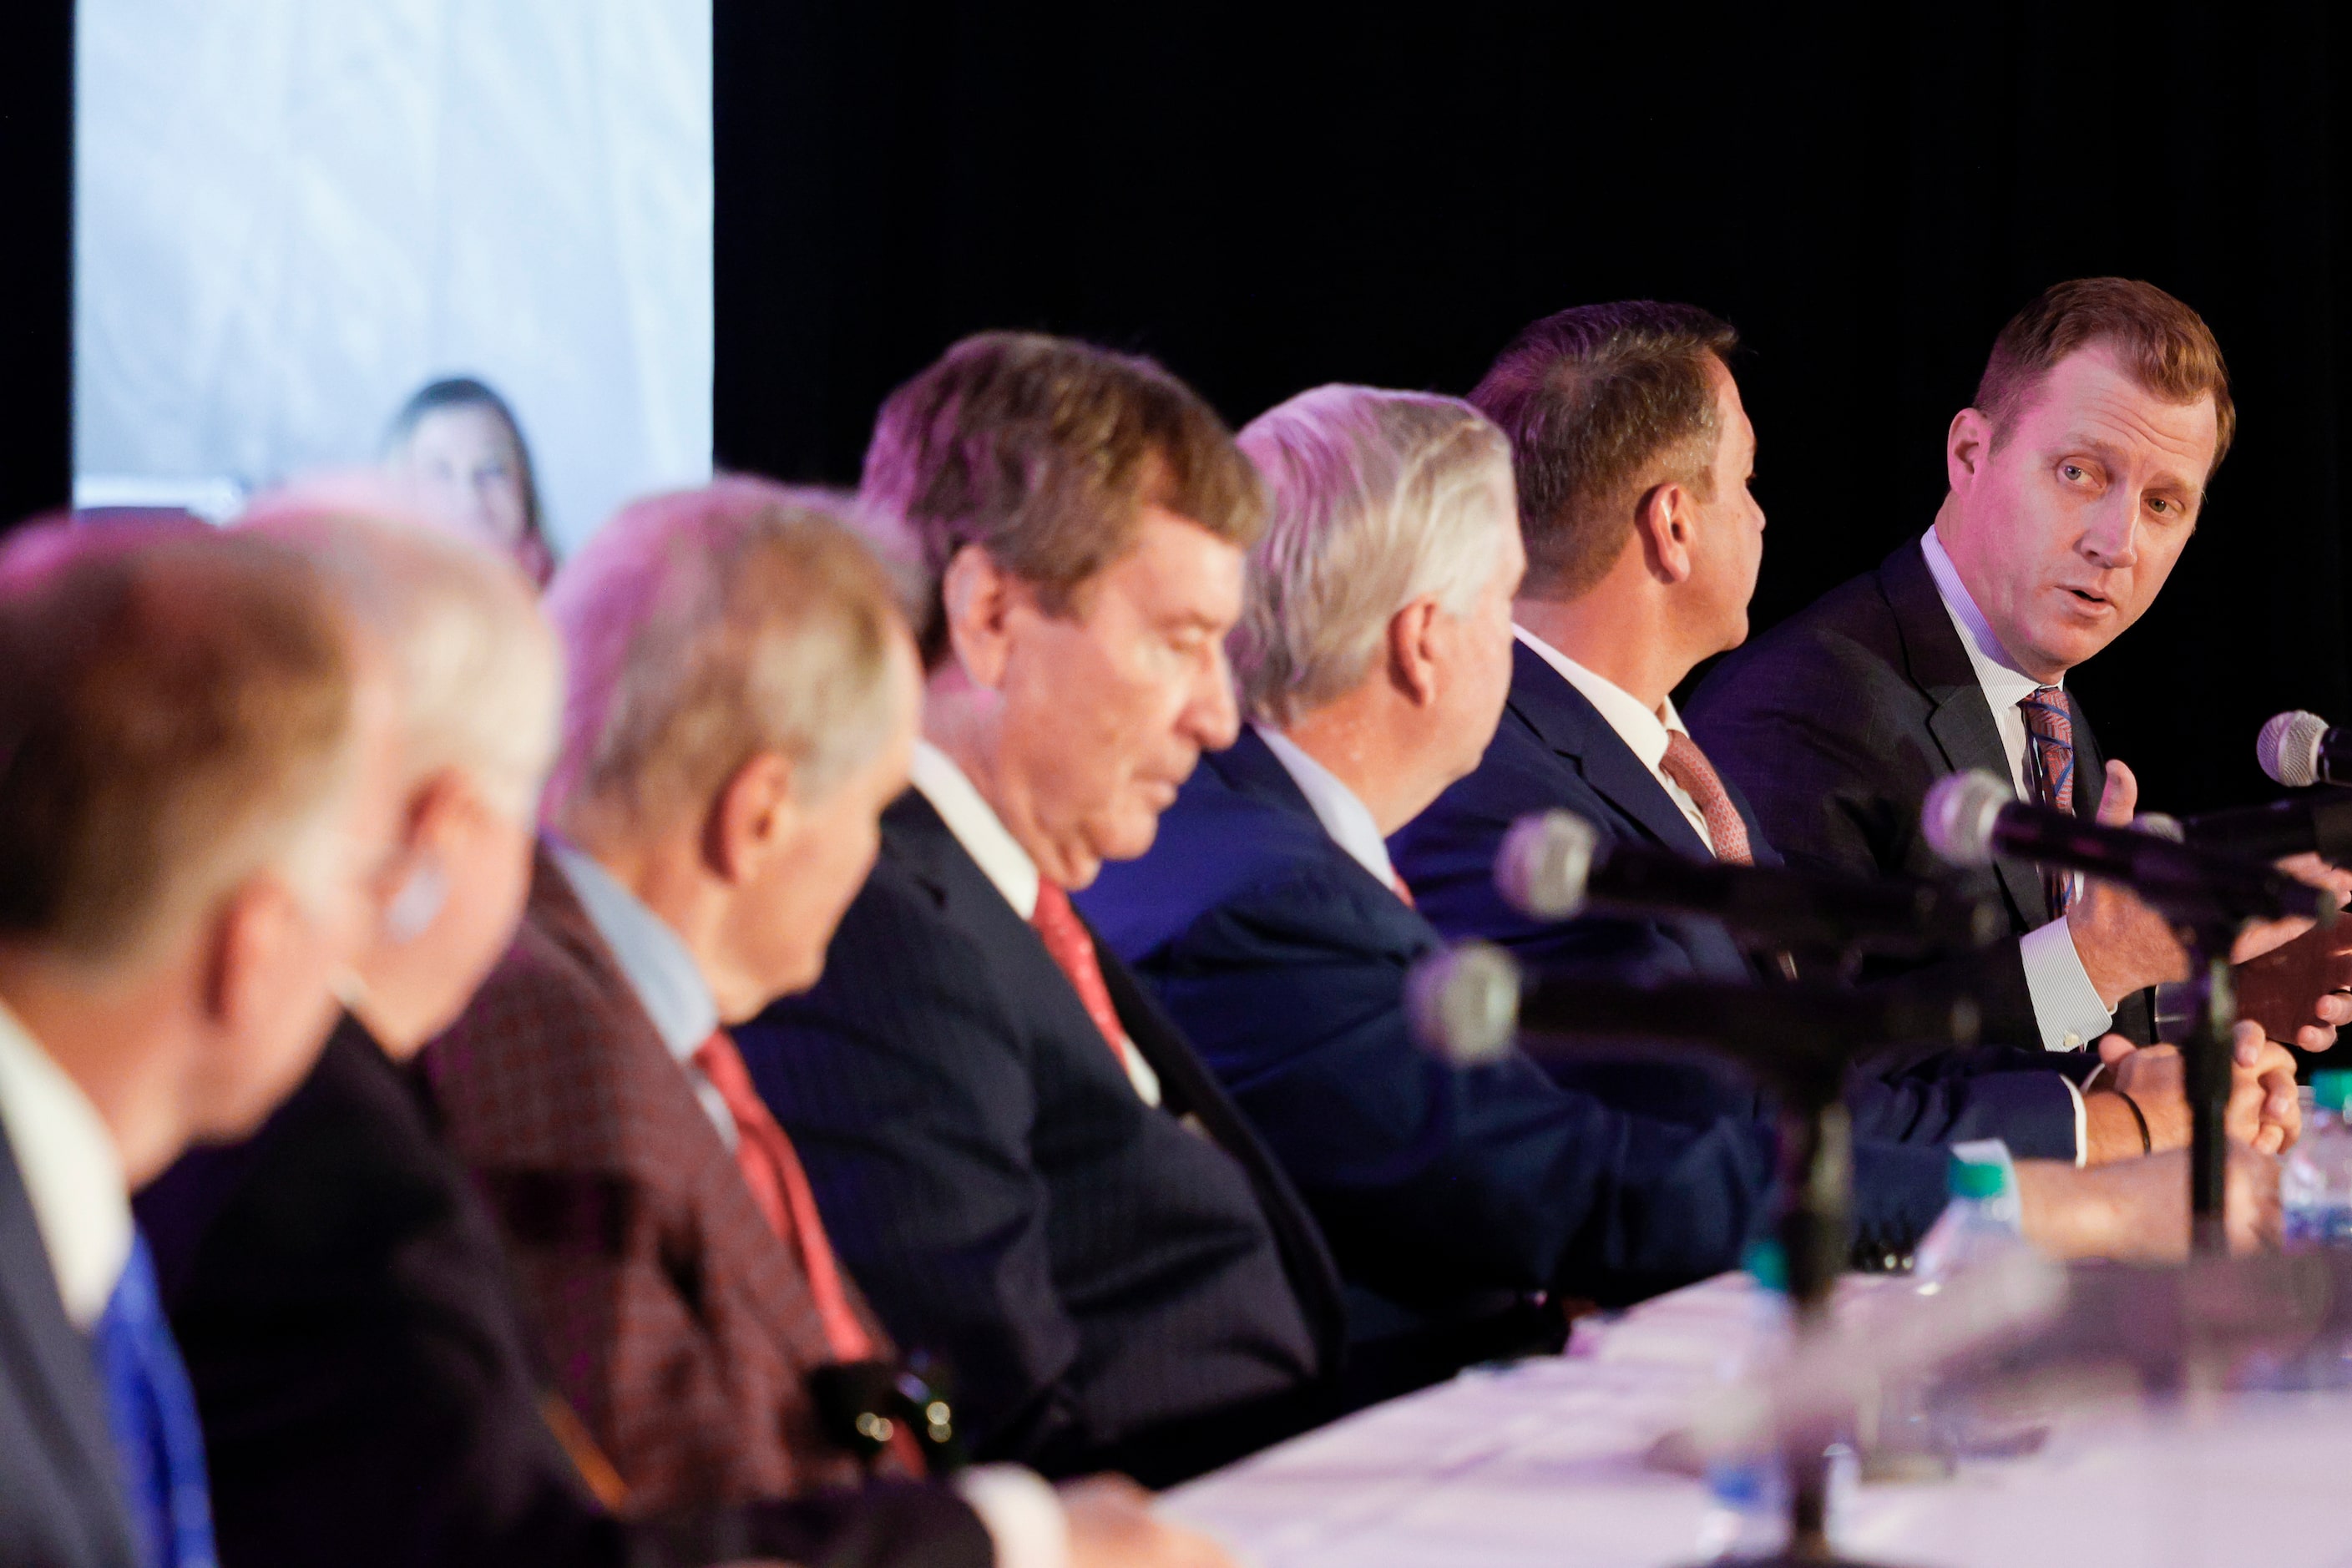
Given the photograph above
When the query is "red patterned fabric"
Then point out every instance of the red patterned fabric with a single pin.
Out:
(670, 1315)
(1687, 767)
(1072, 952)
(2050, 768)
(772, 1171)
(1396, 880)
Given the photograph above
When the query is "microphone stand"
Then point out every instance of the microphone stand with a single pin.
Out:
(1815, 1211)
(2206, 1061)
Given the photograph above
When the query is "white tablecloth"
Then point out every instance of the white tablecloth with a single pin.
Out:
(1541, 1463)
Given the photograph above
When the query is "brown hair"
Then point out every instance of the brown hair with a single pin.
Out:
(177, 717)
(703, 628)
(1043, 452)
(2163, 345)
(1596, 400)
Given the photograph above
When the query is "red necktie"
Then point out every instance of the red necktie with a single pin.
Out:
(781, 1190)
(1687, 767)
(1072, 951)
(1397, 881)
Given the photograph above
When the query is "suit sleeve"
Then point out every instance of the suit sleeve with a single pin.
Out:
(1794, 725)
(1481, 1178)
(904, 1085)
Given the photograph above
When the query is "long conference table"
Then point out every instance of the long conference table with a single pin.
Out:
(1542, 1462)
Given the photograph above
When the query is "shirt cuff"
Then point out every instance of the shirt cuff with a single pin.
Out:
(2082, 1124)
(2066, 1005)
(1023, 1517)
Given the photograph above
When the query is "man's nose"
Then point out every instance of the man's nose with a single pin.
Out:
(1212, 718)
(2111, 537)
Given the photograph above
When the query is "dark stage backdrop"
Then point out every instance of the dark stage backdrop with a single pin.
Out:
(35, 257)
(1271, 196)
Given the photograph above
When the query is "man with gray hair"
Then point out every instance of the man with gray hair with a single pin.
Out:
(1373, 657)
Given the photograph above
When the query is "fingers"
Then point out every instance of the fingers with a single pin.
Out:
(2314, 1037)
(2247, 1044)
(2334, 1008)
(2120, 798)
(2113, 1048)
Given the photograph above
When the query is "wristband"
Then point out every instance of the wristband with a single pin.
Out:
(2147, 1142)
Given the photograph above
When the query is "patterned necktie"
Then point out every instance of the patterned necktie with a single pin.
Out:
(1072, 951)
(2050, 769)
(153, 1413)
(1396, 880)
(1687, 767)
(772, 1171)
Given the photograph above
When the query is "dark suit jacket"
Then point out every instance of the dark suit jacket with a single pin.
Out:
(1286, 960)
(1837, 721)
(61, 1502)
(362, 1370)
(1098, 1272)
(1554, 749)
(673, 1320)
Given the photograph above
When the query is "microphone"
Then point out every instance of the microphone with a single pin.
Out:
(2318, 824)
(1469, 1003)
(1553, 866)
(1970, 818)
(2299, 749)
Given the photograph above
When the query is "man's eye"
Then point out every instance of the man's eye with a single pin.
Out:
(2072, 472)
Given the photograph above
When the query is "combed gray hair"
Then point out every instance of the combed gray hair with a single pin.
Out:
(706, 627)
(1379, 499)
(479, 674)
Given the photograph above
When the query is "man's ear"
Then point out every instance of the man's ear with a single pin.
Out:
(1663, 521)
(753, 816)
(1412, 651)
(242, 948)
(977, 597)
(1965, 446)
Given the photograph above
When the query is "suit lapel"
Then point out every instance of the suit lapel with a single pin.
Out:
(58, 1376)
(1959, 718)
(1561, 717)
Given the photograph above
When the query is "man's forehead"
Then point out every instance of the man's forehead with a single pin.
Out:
(2089, 399)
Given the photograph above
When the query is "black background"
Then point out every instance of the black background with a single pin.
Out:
(36, 256)
(1275, 196)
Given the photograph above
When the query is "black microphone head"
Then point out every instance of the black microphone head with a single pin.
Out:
(1544, 863)
(1465, 1003)
(1959, 813)
(2161, 824)
(2288, 748)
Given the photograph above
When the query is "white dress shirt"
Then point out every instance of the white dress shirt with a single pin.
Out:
(2066, 1004)
(1345, 817)
(1001, 858)
(1646, 733)
(1019, 1510)
(72, 1173)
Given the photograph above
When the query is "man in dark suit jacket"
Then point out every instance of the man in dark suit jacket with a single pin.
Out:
(2076, 483)
(60, 1484)
(1269, 917)
(1022, 1161)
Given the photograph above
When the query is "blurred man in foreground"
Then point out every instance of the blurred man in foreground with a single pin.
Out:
(1374, 655)
(1023, 1160)
(196, 809)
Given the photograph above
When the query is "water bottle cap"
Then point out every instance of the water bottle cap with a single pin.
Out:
(1973, 1179)
(2332, 1089)
(1767, 1264)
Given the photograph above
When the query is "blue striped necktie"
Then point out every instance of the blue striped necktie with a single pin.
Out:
(153, 1414)
(2049, 767)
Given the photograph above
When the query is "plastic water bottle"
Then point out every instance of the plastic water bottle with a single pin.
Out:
(1982, 1218)
(2315, 1177)
(1748, 1493)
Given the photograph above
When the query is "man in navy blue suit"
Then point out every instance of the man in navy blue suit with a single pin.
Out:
(1018, 1156)
(1373, 657)
(1633, 456)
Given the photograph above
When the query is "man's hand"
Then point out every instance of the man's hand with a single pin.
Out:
(2264, 1112)
(1112, 1526)
(2125, 945)
(2291, 976)
(2139, 1211)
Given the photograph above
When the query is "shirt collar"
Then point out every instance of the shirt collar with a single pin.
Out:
(976, 827)
(1344, 816)
(72, 1173)
(2004, 684)
(1646, 733)
(668, 982)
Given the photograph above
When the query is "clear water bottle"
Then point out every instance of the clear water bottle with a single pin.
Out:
(1982, 1218)
(2316, 1176)
(1748, 1492)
